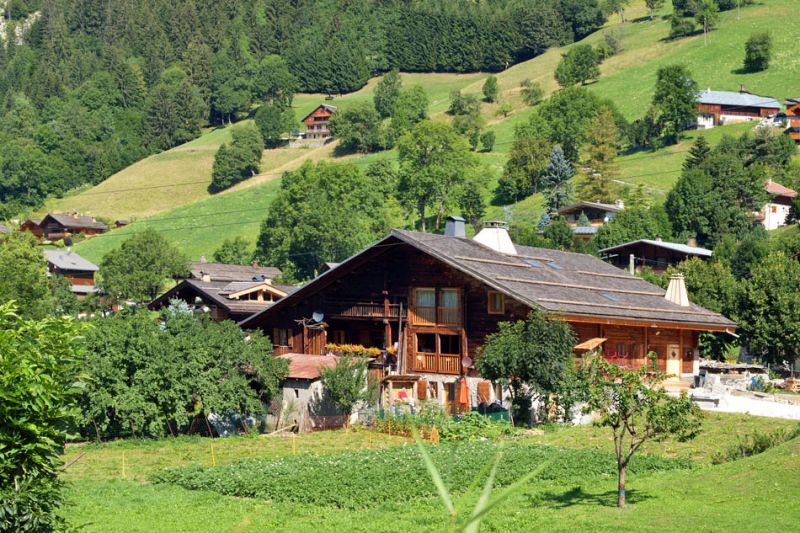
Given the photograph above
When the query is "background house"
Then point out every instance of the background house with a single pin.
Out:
(32, 226)
(656, 254)
(598, 214)
(725, 107)
(436, 297)
(776, 210)
(317, 122)
(75, 269)
(59, 225)
(793, 118)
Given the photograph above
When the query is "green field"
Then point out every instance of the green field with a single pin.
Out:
(173, 184)
(107, 490)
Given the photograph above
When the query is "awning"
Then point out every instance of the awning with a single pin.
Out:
(591, 344)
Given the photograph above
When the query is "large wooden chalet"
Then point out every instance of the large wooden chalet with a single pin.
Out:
(317, 122)
(78, 271)
(59, 225)
(436, 297)
(715, 108)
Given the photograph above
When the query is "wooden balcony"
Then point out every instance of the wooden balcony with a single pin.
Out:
(432, 316)
(436, 363)
(363, 310)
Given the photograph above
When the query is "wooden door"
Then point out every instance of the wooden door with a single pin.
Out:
(674, 360)
(314, 341)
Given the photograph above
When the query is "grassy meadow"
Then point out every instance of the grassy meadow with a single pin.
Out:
(108, 488)
(174, 183)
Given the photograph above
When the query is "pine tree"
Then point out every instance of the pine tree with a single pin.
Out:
(602, 138)
(544, 221)
(583, 221)
(698, 153)
(556, 177)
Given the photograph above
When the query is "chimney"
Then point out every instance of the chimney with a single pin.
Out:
(659, 238)
(620, 204)
(205, 277)
(676, 291)
(454, 227)
(494, 235)
(203, 259)
(692, 242)
(255, 264)
(743, 89)
(94, 219)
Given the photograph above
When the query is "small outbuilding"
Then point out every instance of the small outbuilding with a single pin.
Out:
(656, 254)
(304, 402)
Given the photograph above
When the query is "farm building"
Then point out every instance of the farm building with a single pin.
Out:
(317, 121)
(303, 399)
(715, 108)
(776, 210)
(226, 291)
(77, 270)
(436, 297)
(793, 118)
(656, 254)
(59, 225)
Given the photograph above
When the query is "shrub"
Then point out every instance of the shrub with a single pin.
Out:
(680, 27)
(487, 141)
(755, 443)
(318, 480)
(757, 52)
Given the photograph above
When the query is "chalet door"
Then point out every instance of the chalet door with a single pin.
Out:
(673, 360)
(314, 341)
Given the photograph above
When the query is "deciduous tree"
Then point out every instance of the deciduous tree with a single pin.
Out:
(275, 121)
(490, 89)
(387, 91)
(347, 385)
(234, 251)
(757, 52)
(578, 65)
(675, 100)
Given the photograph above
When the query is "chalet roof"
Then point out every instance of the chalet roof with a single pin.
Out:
(212, 292)
(75, 221)
(4, 229)
(612, 208)
(83, 289)
(326, 107)
(789, 102)
(69, 260)
(224, 272)
(674, 246)
(585, 230)
(740, 99)
(776, 189)
(560, 283)
(303, 366)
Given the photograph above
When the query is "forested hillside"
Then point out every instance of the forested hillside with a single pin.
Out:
(89, 87)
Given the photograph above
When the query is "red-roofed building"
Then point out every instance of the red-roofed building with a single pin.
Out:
(776, 210)
(305, 403)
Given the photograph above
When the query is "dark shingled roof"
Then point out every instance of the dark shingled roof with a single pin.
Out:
(69, 260)
(561, 283)
(215, 292)
(224, 272)
(574, 208)
(75, 221)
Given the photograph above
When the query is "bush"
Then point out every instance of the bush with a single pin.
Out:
(755, 443)
(318, 480)
(487, 141)
(680, 27)
(758, 51)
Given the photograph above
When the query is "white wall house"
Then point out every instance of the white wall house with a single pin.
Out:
(776, 210)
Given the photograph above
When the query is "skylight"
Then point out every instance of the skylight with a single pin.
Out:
(555, 265)
(534, 263)
(609, 296)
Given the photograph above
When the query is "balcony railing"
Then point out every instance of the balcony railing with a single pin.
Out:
(436, 363)
(356, 309)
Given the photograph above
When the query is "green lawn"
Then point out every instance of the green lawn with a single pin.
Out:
(753, 494)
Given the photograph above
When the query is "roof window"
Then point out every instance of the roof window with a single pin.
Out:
(534, 263)
(554, 265)
(609, 296)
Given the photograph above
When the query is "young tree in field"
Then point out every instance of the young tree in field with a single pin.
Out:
(532, 92)
(410, 108)
(504, 109)
(618, 7)
(358, 128)
(463, 104)
(675, 101)
(433, 159)
(698, 153)
(529, 357)
(274, 120)
(578, 65)
(41, 381)
(490, 89)
(347, 385)
(556, 176)
(23, 275)
(140, 267)
(387, 91)
(769, 308)
(234, 251)
(602, 139)
(653, 6)
(706, 14)
(239, 160)
(487, 141)
(637, 409)
(757, 52)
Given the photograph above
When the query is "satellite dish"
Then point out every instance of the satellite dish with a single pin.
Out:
(466, 361)
(67, 241)
(317, 316)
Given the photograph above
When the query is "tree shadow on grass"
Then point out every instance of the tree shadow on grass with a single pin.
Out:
(578, 496)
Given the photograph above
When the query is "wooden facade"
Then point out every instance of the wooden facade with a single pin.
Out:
(317, 122)
(793, 118)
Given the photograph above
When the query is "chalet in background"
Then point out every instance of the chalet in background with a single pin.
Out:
(793, 118)
(776, 210)
(656, 254)
(59, 225)
(317, 122)
(75, 269)
(715, 108)
(436, 297)
(598, 214)
(233, 292)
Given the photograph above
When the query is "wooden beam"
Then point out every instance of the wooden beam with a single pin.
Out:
(625, 307)
(578, 286)
(642, 323)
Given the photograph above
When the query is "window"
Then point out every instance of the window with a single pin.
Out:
(774, 209)
(534, 263)
(609, 296)
(281, 337)
(425, 305)
(497, 303)
(553, 264)
(426, 342)
(450, 344)
(449, 306)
